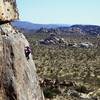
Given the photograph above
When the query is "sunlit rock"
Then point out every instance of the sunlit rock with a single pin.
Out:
(8, 10)
(18, 78)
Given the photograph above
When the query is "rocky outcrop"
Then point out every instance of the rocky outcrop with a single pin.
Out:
(18, 78)
(8, 10)
(52, 39)
(18, 75)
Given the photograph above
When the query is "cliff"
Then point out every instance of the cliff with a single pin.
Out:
(18, 78)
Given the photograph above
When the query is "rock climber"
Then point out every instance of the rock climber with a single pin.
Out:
(27, 51)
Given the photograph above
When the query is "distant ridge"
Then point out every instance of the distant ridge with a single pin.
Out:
(28, 27)
(34, 26)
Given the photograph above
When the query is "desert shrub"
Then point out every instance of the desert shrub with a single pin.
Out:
(81, 65)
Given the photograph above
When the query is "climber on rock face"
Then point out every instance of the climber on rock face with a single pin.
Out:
(27, 51)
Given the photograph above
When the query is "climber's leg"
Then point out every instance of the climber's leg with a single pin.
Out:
(27, 55)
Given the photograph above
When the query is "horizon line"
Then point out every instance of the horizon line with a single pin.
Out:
(57, 23)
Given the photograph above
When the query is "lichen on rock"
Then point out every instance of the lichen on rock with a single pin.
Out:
(8, 10)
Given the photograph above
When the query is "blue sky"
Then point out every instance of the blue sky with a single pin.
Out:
(60, 11)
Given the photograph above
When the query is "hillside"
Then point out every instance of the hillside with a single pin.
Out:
(68, 73)
(31, 28)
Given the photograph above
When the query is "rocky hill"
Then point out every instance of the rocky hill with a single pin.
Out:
(18, 78)
(87, 29)
(26, 27)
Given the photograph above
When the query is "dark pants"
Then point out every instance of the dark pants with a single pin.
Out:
(27, 55)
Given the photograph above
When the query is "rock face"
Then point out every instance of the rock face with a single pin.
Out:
(8, 10)
(18, 78)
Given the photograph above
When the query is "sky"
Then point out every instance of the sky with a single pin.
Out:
(60, 11)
